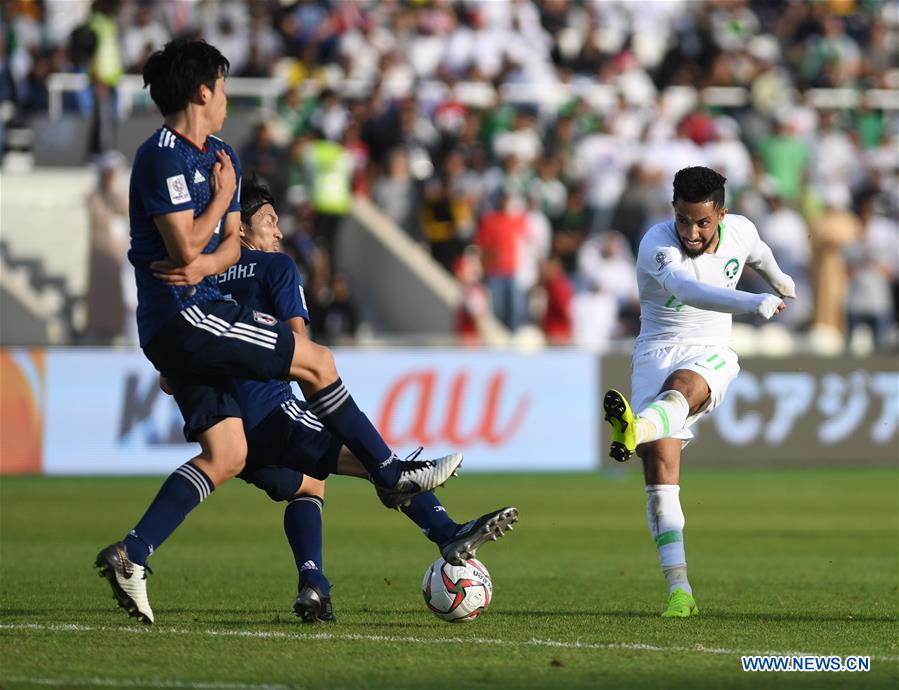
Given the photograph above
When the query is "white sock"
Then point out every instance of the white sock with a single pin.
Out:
(666, 524)
(663, 417)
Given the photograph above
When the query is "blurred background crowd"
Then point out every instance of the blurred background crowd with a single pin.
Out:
(527, 145)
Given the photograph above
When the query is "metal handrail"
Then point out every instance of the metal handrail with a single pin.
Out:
(130, 86)
(269, 89)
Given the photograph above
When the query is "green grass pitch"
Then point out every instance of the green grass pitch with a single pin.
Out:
(782, 561)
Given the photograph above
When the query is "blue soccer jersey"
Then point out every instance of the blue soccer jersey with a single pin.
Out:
(270, 283)
(170, 174)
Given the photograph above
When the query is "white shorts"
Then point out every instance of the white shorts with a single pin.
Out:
(717, 365)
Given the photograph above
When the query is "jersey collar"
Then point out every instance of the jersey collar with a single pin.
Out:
(720, 236)
(186, 140)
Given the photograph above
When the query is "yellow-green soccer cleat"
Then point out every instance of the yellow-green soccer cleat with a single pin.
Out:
(624, 426)
(680, 605)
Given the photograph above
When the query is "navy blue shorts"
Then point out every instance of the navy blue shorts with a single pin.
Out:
(205, 347)
(287, 444)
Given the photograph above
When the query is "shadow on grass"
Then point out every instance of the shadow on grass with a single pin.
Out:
(392, 618)
(706, 615)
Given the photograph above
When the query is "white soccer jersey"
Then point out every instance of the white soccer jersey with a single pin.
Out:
(665, 320)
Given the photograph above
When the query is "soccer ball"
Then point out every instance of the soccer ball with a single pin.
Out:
(457, 593)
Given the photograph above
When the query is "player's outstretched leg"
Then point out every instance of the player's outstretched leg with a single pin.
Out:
(665, 416)
(419, 476)
(124, 564)
(464, 544)
(128, 581)
(457, 543)
(624, 426)
(662, 418)
(335, 408)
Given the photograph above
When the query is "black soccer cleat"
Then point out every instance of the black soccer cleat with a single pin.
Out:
(312, 606)
(128, 581)
(472, 535)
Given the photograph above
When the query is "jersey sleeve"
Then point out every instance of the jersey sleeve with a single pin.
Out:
(761, 258)
(749, 235)
(163, 182)
(287, 289)
(659, 259)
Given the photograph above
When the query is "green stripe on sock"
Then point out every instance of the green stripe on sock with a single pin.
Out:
(664, 416)
(668, 538)
(720, 365)
(711, 358)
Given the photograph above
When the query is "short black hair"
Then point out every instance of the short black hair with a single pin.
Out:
(699, 184)
(253, 196)
(176, 72)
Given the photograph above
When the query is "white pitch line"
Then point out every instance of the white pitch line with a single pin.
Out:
(358, 637)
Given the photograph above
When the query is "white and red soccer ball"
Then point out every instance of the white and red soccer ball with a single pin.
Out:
(457, 593)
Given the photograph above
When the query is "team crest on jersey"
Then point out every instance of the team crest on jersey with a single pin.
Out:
(178, 191)
(731, 268)
(263, 318)
(662, 259)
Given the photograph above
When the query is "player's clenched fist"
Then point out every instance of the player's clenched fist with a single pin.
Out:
(770, 305)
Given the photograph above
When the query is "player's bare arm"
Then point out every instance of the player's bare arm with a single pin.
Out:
(184, 235)
(225, 255)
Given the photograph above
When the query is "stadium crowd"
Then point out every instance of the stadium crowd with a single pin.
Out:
(529, 145)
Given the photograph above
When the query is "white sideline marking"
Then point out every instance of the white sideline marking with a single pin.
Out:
(358, 637)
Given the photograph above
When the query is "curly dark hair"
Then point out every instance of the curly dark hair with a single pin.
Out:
(176, 72)
(698, 184)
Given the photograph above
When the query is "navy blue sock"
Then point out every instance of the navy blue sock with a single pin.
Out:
(183, 491)
(426, 511)
(303, 527)
(336, 409)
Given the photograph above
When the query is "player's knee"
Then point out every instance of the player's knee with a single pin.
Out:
(679, 381)
(691, 385)
(282, 489)
(322, 367)
(230, 461)
(313, 365)
(311, 487)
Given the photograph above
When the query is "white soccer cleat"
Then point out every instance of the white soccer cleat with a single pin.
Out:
(418, 476)
(128, 581)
